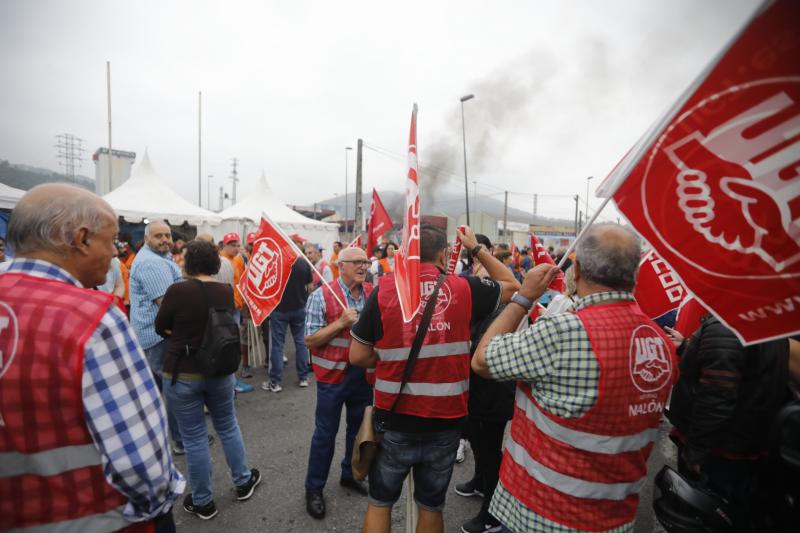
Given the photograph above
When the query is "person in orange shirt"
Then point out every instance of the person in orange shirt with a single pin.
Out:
(126, 256)
(333, 261)
(231, 245)
(387, 263)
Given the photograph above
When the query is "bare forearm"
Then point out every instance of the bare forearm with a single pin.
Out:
(499, 272)
(506, 322)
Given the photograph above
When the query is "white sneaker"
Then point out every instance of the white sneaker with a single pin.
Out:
(285, 359)
(463, 445)
(272, 387)
(304, 383)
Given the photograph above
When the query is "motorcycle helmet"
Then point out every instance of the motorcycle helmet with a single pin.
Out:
(682, 507)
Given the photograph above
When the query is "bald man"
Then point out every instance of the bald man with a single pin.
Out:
(577, 453)
(338, 383)
(81, 422)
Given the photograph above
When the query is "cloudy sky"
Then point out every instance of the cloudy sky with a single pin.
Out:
(562, 89)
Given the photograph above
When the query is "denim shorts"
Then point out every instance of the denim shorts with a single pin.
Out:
(432, 455)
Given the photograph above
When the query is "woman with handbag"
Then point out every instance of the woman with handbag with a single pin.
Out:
(182, 319)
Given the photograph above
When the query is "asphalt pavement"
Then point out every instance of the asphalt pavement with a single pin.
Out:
(277, 430)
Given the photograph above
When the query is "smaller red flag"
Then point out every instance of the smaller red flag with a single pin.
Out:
(267, 272)
(515, 256)
(540, 256)
(379, 222)
(658, 289)
(690, 313)
(455, 253)
(355, 243)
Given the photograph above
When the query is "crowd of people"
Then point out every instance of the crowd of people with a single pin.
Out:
(103, 383)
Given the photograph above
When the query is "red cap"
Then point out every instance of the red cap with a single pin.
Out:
(230, 237)
(251, 237)
(297, 238)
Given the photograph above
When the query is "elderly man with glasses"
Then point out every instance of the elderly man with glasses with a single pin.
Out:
(338, 383)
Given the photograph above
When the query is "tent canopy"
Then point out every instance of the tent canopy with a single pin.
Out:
(245, 216)
(145, 195)
(9, 196)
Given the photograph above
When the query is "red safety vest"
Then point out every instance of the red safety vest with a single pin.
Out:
(53, 473)
(316, 280)
(331, 360)
(439, 385)
(586, 472)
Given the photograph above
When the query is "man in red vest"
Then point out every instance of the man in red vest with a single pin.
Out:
(338, 383)
(83, 432)
(576, 457)
(424, 428)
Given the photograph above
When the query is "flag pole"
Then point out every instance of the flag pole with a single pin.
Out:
(583, 231)
(301, 254)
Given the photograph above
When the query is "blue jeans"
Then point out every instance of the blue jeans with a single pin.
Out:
(278, 323)
(155, 356)
(432, 455)
(355, 394)
(187, 399)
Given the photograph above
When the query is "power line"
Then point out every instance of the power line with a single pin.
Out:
(70, 153)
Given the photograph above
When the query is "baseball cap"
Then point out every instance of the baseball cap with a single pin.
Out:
(230, 237)
(251, 237)
(297, 238)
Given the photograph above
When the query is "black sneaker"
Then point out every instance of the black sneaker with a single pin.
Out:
(469, 488)
(479, 525)
(244, 492)
(206, 512)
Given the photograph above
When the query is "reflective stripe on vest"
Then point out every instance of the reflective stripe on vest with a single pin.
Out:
(339, 342)
(327, 363)
(579, 488)
(112, 520)
(579, 439)
(50, 462)
(429, 350)
(423, 389)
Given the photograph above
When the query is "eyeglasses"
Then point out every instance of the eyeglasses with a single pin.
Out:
(359, 263)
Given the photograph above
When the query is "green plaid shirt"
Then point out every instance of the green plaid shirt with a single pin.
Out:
(555, 356)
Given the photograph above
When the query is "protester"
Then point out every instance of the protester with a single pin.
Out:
(230, 252)
(87, 448)
(478, 269)
(177, 250)
(423, 429)
(182, 319)
(338, 383)
(525, 261)
(312, 251)
(334, 260)
(225, 274)
(376, 269)
(152, 273)
(387, 262)
(722, 408)
(562, 303)
(576, 456)
(114, 283)
(290, 313)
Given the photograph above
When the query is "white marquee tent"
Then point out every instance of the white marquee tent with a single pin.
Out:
(9, 196)
(145, 195)
(245, 216)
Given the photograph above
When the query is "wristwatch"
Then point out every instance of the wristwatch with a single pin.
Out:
(475, 251)
(519, 299)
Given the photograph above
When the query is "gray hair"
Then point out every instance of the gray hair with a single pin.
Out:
(609, 255)
(52, 224)
(152, 222)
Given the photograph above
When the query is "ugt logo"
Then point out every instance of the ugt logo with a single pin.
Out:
(9, 337)
(427, 283)
(650, 364)
(265, 268)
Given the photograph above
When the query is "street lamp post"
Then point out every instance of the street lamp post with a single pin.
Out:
(208, 190)
(586, 207)
(464, 139)
(346, 206)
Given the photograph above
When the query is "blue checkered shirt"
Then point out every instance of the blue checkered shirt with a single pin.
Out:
(555, 357)
(151, 276)
(315, 307)
(124, 412)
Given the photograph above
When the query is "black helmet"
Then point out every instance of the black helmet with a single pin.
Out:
(684, 508)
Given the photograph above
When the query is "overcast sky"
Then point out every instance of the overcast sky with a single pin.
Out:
(562, 89)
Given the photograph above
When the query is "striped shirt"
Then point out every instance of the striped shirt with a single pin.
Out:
(151, 275)
(555, 357)
(123, 409)
(315, 307)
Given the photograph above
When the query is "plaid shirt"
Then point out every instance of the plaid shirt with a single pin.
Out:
(555, 356)
(315, 307)
(151, 276)
(123, 409)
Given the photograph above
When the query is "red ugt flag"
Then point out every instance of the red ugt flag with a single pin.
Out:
(406, 259)
(379, 222)
(714, 186)
(658, 289)
(355, 243)
(267, 272)
(540, 256)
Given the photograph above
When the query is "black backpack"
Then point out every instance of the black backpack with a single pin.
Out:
(220, 351)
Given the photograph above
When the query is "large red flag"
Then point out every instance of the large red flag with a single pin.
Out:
(264, 279)
(658, 289)
(539, 256)
(714, 186)
(379, 222)
(406, 259)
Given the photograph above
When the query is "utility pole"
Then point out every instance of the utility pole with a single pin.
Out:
(576, 215)
(505, 219)
(70, 148)
(107, 189)
(359, 218)
(234, 177)
(535, 205)
(220, 198)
